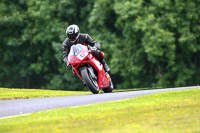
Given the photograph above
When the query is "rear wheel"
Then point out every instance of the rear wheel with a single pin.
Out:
(109, 88)
(91, 83)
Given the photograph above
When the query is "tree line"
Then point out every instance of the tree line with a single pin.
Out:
(148, 43)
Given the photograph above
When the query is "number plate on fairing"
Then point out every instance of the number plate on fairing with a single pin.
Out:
(81, 56)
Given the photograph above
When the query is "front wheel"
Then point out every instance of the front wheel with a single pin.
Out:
(91, 83)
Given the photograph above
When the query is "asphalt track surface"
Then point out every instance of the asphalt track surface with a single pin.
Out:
(10, 108)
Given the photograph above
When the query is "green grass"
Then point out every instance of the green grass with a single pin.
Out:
(8, 94)
(171, 112)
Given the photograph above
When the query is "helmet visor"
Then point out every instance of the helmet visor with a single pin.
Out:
(72, 37)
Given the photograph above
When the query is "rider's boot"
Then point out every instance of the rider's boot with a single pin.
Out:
(105, 66)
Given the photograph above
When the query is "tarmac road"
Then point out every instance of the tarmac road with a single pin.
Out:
(10, 108)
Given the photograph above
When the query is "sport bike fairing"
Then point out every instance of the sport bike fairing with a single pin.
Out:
(80, 54)
(77, 53)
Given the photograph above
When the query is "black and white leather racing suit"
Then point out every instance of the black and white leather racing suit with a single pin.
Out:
(84, 39)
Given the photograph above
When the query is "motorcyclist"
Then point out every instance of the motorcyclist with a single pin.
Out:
(75, 37)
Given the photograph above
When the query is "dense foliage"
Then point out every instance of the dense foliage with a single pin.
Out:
(148, 43)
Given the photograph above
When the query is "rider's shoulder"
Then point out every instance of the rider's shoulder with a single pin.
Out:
(66, 41)
(84, 35)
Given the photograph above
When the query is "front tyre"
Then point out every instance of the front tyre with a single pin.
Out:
(91, 83)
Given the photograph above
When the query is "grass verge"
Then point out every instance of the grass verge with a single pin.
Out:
(164, 112)
(9, 94)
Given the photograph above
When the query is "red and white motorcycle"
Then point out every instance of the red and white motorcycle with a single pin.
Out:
(89, 69)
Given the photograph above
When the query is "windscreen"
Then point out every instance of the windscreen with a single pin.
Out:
(76, 49)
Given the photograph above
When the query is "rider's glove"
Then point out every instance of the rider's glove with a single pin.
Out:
(66, 61)
(93, 49)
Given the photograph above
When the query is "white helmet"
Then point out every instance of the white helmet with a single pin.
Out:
(72, 32)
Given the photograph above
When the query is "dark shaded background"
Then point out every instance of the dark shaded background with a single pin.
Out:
(148, 43)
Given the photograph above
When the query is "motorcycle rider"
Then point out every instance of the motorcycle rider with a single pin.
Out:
(75, 37)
